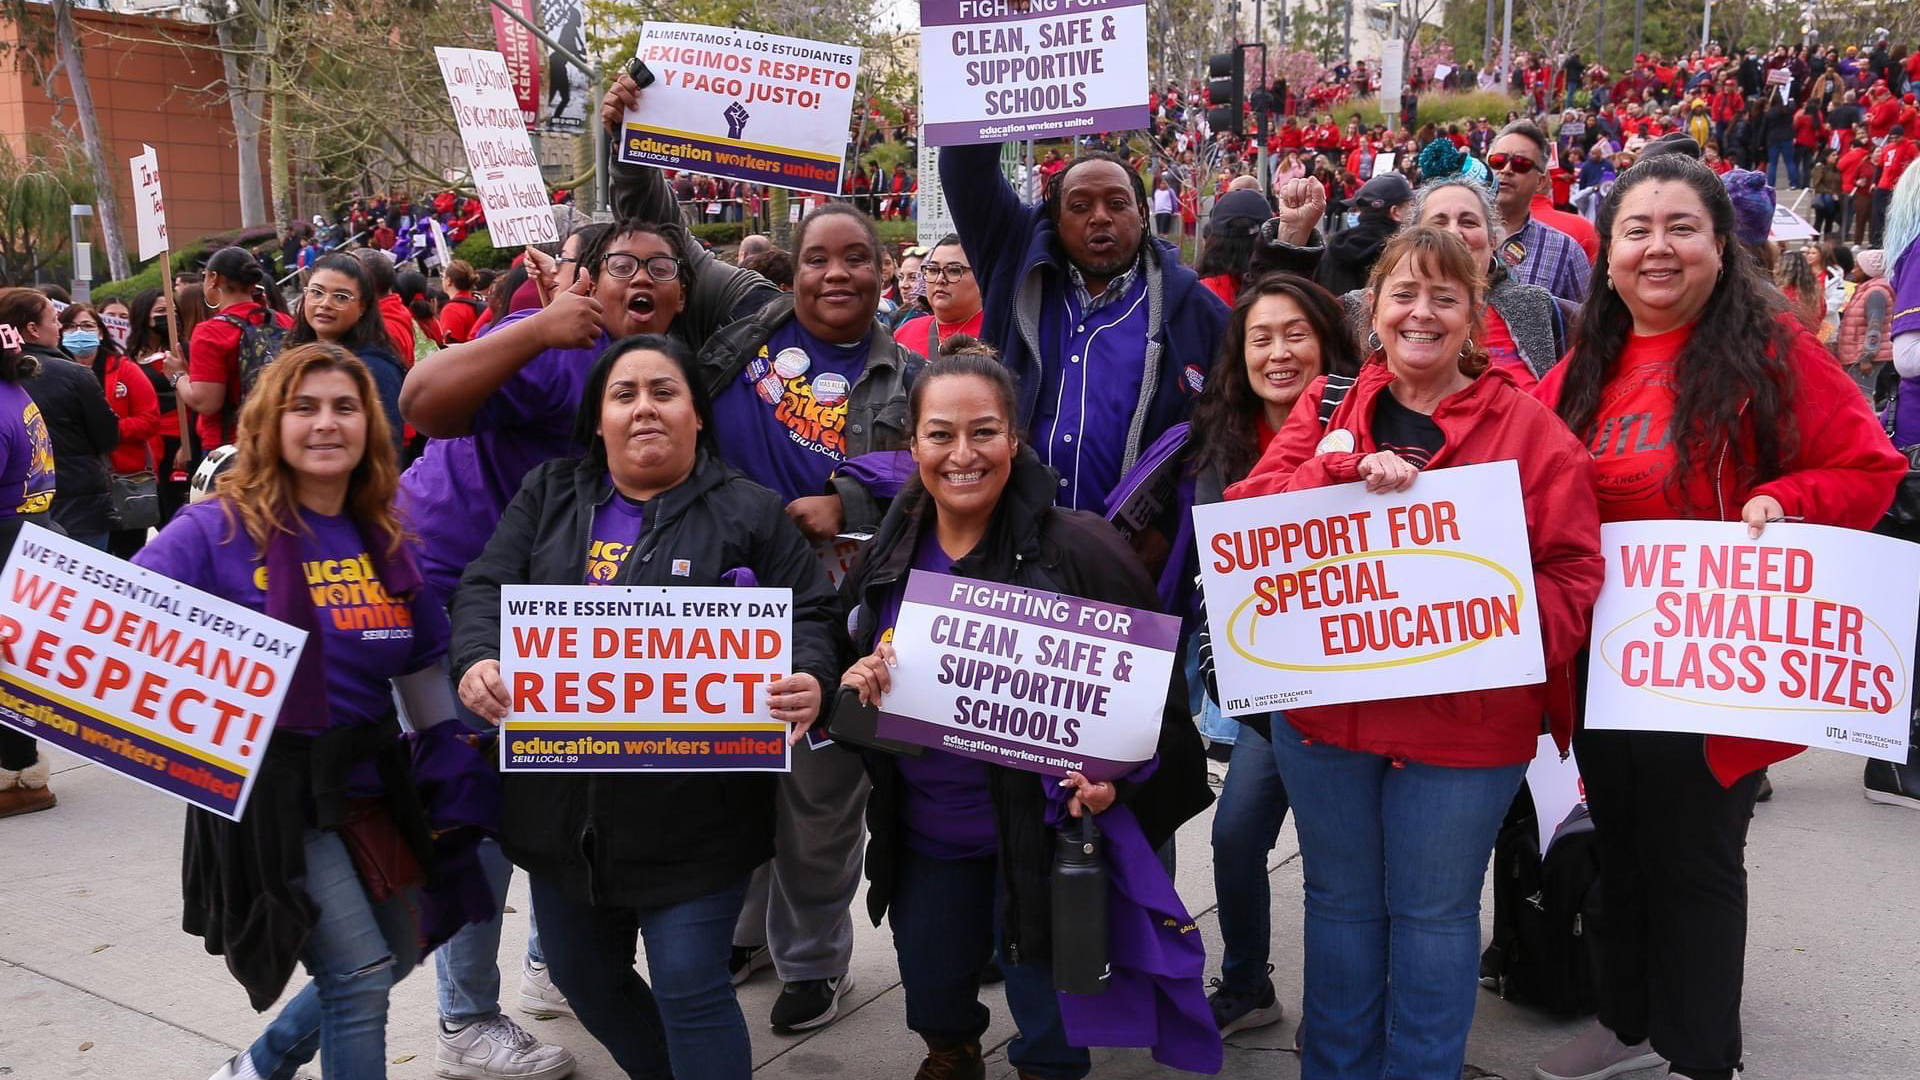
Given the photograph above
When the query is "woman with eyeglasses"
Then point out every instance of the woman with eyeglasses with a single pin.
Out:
(954, 295)
(337, 307)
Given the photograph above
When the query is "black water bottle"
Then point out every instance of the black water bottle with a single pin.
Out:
(1079, 910)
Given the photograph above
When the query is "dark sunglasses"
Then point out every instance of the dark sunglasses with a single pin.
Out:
(1521, 165)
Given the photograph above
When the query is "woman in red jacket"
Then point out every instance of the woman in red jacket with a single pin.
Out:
(1742, 416)
(133, 401)
(1397, 801)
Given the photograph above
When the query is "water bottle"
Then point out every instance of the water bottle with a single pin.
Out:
(1079, 910)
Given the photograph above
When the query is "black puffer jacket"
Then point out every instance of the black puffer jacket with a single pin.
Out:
(645, 839)
(1034, 544)
(83, 429)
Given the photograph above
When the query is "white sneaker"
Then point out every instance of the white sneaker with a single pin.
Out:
(538, 995)
(498, 1047)
(238, 1067)
(1596, 1054)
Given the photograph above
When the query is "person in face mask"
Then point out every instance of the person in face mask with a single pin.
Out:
(78, 421)
(131, 397)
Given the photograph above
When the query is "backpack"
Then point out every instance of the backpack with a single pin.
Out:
(1541, 954)
(259, 344)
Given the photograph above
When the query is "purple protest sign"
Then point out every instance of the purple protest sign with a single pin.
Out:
(998, 70)
(1030, 680)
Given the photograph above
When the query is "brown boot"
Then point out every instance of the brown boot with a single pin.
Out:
(952, 1060)
(25, 791)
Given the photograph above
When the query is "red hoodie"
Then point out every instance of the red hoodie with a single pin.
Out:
(1491, 420)
(1842, 468)
(133, 400)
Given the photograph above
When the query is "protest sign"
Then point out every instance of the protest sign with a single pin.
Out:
(837, 554)
(1788, 225)
(494, 132)
(995, 71)
(117, 327)
(519, 50)
(564, 108)
(933, 219)
(149, 208)
(157, 681)
(1027, 679)
(1334, 595)
(609, 678)
(1803, 636)
(743, 105)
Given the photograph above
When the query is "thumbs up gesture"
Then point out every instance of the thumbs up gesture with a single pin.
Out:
(572, 320)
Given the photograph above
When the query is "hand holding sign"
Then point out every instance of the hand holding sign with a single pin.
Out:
(1386, 471)
(871, 676)
(795, 700)
(485, 692)
(1759, 510)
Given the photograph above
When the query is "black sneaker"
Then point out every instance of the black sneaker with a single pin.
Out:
(992, 974)
(1234, 1011)
(809, 1004)
(1894, 784)
(744, 960)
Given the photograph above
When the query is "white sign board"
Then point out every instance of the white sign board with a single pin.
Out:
(1334, 595)
(1803, 636)
(149, 207)
(1788, 225)
(743, 105)
(934, 219)
(993, 72)
(493, 129)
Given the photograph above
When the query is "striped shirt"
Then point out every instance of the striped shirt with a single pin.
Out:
(1542, 255)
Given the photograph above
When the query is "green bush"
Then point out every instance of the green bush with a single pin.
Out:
(149, 276)
(719, 232)
(1441, 108)
(478, 252)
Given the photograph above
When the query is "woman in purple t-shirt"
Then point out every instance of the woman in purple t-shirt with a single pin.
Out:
(961, 850)
(26, 487)
(327, 864)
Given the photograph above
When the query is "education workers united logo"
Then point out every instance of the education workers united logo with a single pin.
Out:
(812, 409)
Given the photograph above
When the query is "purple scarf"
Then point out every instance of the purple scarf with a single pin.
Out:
(1156, 997)
(289, 601)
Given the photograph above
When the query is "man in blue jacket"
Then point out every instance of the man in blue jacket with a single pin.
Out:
(1109, 337)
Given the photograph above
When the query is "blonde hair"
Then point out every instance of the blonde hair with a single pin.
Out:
(259, 488)
(1438, 254)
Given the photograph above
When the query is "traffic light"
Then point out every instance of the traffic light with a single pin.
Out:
(1226, 85)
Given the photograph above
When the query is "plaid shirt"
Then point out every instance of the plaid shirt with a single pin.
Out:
(1550, 259)
(1116, 288)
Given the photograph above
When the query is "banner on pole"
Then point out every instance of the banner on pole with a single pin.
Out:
(494, 132)
(563, 109)
(1334, 595)
(1805, 635)
(520, 50)
(743, 105)
(1027, 679)
(157, 681)
(609, 678)
(149, 207)
(993, 72)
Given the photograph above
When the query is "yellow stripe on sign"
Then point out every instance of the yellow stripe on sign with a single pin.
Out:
(722, 140)
(123, 725)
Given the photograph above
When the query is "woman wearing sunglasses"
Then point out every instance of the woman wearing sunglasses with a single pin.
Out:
(338, 307)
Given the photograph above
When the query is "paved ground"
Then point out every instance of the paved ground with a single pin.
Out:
(97, 980)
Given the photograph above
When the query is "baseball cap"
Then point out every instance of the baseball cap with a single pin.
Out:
(1381, 192)
(1238, 211)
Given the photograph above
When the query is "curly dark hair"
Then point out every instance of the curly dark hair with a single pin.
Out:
(1732, 376)
(1225, 416)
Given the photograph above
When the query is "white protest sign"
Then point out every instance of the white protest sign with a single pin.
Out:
(149, 206)
(1788, 225)
(493, 130)
(1334, 595)
(1393, 67)
(440, 249)
(743, 105)
(614, 678)
(1382, 164)
(1030, 680)
(1803, 636)
(156, 681)
(993, 71)
(933, 219)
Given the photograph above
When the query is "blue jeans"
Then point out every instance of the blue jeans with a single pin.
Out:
(1395, 855)
(1217, 726)
(1246, 822)
(357, 952)
(945, 921)
(687, 1025)
(467, 967)
(1776, 154)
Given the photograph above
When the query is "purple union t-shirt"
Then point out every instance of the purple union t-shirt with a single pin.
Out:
(945, 803)
(783, 421)
(369, 635)
(617, 524)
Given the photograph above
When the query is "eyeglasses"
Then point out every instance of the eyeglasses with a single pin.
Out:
(315, 294)
(1521, 164)
(944, 271)
(623, 266)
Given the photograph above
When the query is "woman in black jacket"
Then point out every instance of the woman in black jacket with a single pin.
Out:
(954, 840)
(79, 420)
(665, 855)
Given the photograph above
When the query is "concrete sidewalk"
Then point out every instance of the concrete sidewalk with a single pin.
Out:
(97, 979)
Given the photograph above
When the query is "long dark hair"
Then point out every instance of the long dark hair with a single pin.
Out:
(143, 338)
(370, 332)
(1224, 418)
(587, 418)
(1733, 369)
